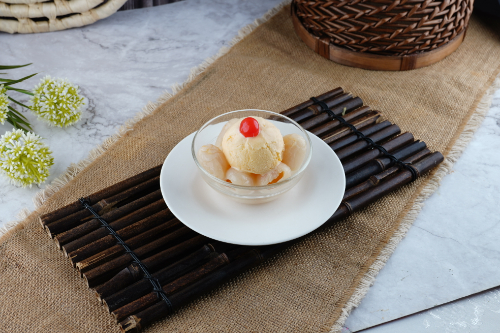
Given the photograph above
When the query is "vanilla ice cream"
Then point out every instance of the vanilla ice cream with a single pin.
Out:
(231, 122)
(258, 154)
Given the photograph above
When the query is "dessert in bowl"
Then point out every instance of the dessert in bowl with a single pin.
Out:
(251, 156)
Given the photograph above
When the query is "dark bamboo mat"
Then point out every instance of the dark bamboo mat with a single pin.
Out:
(146, 264)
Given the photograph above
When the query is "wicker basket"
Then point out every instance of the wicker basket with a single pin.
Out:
(28, 16)
(382, 34)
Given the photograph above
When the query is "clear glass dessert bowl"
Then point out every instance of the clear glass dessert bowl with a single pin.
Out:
(208, 134)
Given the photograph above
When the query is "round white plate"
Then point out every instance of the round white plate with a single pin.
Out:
(297, 212)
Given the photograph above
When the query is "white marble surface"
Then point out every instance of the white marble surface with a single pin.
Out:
(130, 58)
(478, 313)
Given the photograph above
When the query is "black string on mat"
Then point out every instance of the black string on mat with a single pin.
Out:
(154, 281)
(324, 107)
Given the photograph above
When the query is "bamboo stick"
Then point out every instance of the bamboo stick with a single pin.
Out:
(365, 157)
(153, 239)
(315, 110)
(159, 260)
(135, 322)
(394, 169)
(136, 216)
(139, 288)
(351, 138)
(157, 236)
(132, 273)
(102, 194)
(180, 283)
(338, 109)
(166, 275)
(103, 272)
(363, 122)
(384, 172)
(204, 270)
(135, 207)
(349, 117)
(329, 94)
(401, 178)
(73, 220)
(360, 144)
(132, 230)
(379, 165)
(151, 298)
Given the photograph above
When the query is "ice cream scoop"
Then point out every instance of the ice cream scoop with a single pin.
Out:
(258, 151)
(230, 123)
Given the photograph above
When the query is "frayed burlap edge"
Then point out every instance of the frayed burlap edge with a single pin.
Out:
(361, 286)
(365, 281)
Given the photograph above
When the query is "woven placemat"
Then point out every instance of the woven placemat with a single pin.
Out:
(310, 287)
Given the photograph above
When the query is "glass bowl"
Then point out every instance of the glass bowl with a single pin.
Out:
(208, 134)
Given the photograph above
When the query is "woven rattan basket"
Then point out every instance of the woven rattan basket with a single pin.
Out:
(382, 34)
(28, 16)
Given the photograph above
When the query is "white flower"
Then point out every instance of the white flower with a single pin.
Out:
(24, 158)
(57, 101)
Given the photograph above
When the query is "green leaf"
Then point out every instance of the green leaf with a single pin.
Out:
(17, 102)
(16, 118)
(13, 123)
(20, 90)
(343, 112)
(18, 124)
(20, 115)
(10, 82)
(12, 67)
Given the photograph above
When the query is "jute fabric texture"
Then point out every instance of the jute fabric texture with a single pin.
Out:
(311, 286)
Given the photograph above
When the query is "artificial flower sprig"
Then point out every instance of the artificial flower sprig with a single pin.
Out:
(7, 112)
(24, 158)
(57, 101)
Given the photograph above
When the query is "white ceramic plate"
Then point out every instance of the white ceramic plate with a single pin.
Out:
(299, 211)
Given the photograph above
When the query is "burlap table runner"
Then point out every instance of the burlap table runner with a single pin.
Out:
(310, 287)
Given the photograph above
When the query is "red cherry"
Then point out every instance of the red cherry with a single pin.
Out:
(249, 127)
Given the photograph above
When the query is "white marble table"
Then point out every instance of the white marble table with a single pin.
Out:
(475, 314)
(130, 58)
